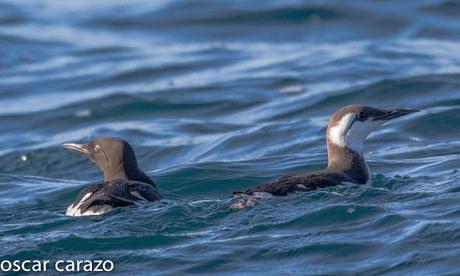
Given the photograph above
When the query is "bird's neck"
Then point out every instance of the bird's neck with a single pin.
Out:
(348, 161)
(115, 174)
(123, 174)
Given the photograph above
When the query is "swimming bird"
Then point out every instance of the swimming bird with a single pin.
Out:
(124, 182)
(346, 131)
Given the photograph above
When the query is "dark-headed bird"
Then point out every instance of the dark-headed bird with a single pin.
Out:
(124, 182)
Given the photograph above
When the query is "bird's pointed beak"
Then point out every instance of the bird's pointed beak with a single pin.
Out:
(393, 114)
(80, 148)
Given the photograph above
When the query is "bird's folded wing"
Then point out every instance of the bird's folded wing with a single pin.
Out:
(297, 182)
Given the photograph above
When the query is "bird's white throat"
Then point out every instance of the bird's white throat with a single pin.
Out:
(351, 133)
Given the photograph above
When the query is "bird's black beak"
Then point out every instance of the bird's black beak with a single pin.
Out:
(393, 114)
(80, 148)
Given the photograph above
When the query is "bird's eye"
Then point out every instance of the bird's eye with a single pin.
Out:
(362, 115)
(97, 148)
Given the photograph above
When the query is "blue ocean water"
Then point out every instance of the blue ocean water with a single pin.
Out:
(218, 96)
